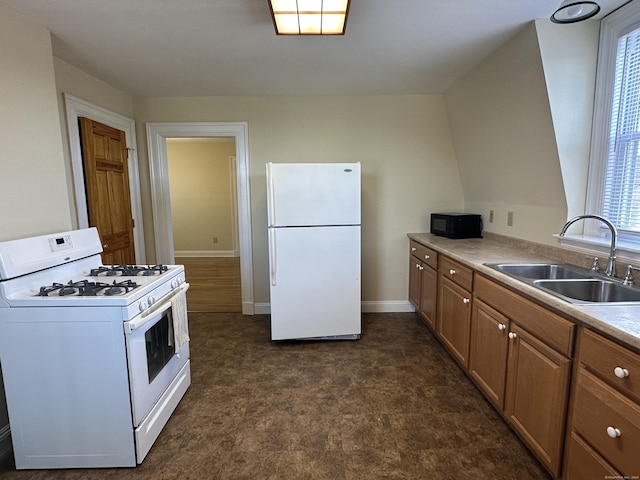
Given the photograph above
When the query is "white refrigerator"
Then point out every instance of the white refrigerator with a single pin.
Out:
(314, 250)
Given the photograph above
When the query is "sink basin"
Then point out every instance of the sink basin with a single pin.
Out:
(591, 290)
(541, 271)
(571, 283)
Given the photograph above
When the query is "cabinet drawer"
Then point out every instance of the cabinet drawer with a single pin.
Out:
(552, 329)
(606, 358)
(456, 272)
(584, 462)
(598, 408)
(428, 256)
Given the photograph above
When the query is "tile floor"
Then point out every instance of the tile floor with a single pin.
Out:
(391, 405)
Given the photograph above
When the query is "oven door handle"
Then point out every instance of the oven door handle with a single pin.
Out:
(130, 326)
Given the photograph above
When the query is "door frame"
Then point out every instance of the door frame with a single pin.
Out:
(75, 108)
(157, 134)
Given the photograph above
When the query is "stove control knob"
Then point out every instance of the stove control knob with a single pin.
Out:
(151, 300)
(143, 306)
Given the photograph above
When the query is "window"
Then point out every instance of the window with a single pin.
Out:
(614, 188)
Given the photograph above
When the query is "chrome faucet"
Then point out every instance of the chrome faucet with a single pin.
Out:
(610, 271)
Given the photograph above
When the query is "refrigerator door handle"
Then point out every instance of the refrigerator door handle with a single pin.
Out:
(271, 212)
(272, 255)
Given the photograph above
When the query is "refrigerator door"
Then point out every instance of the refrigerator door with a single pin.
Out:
(303, 194)
(315, 282)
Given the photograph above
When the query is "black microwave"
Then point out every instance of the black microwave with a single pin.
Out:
(456, 225)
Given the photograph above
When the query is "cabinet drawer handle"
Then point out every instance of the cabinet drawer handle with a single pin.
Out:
(413, 249)
(613, 432)
(512, 335)
(452, 272)
(427, 257)
(466, 300)
(502, 326)
(621, 372)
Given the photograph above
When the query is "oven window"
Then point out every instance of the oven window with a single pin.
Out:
(159, 342)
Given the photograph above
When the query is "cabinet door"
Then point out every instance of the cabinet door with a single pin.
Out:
(536, 395)
(583, 462)
(454, 318)
(428, 296)
(415, 274)
(488, 351)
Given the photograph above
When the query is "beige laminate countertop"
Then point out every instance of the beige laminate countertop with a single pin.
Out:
(621, 322)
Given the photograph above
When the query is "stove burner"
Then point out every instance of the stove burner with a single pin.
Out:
(129, 270)
(85, 288)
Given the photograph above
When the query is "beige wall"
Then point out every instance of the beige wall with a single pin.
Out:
(521, 123)
(32, 179)
(569, 55)
(403, 142)
(505, 142)
(200, 184)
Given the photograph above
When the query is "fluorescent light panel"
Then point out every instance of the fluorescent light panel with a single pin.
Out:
(309, 17)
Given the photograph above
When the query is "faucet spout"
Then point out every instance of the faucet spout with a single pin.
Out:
(611, 264)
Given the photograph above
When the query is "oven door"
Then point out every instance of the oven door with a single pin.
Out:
(153, 362)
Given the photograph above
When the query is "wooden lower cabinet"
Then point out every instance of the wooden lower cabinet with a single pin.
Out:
(423, 283)
(605, 419)
(524, 378)
(536, 393)
(454, 319)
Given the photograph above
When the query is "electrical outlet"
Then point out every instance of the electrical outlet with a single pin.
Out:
(490, 216)
(215, 239)
(510, 219)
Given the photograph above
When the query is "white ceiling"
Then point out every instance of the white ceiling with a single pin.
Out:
(228, 47)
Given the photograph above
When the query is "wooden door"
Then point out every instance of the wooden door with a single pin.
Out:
(106, 173)
(454, 319)
(428, 295)
(488, 351)
(536, 395)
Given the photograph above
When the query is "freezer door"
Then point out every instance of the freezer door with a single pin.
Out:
(302, 194)
(315, 282)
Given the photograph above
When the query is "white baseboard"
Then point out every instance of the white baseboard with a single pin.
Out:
(383, 306)
(387, 306)
(205, 253)
(5, 440)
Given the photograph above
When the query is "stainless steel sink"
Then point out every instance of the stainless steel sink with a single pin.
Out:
(571, 283)
(591, 290)
(539, 271)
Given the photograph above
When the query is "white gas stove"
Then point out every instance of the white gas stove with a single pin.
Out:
(95, 357)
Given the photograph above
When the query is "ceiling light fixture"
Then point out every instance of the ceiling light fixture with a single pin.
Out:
(572, 11)
(309, 17)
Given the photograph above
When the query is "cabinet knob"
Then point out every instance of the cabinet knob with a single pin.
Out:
(502, 326)
(621, 372)
(466, 300)
(452, 272)
(512, 335)
(427, 257)
(413, 249)
(613, 432)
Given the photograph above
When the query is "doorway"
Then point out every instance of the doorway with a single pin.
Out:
(157, 135)
(202, 185)
(75, 109)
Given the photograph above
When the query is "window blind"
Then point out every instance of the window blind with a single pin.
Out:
(621, 199)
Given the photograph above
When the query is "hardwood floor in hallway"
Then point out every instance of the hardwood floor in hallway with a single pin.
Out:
(215, 284)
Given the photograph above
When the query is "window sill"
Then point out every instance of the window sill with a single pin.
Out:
(625, 249)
